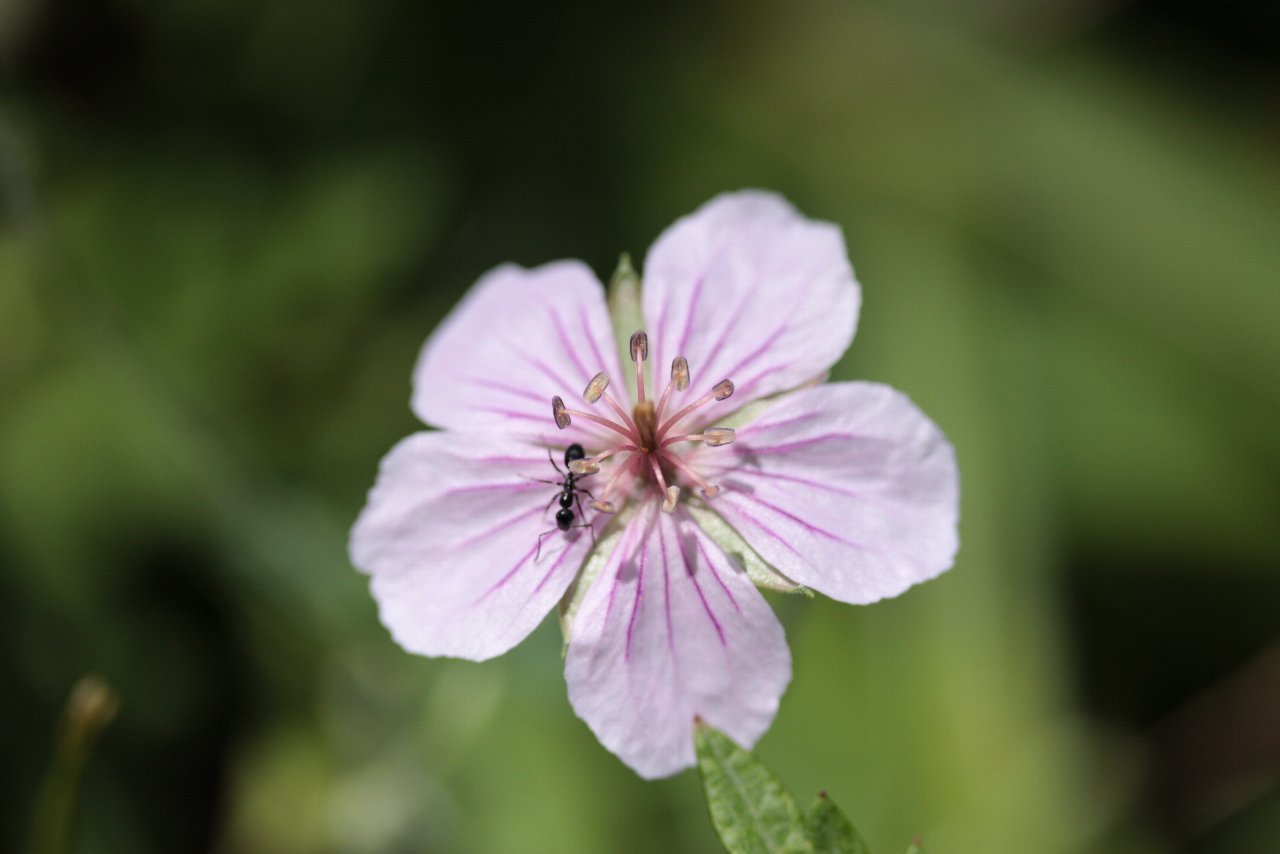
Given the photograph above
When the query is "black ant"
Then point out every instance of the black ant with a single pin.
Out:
(568, 495)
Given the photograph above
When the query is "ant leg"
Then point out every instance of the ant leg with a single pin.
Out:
(551, 460)
(538, 553)
(559, 483)
(583, 517)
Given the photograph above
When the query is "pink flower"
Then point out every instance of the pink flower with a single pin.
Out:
(740, 468)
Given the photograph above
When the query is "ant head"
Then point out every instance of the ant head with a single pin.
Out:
(573, 452)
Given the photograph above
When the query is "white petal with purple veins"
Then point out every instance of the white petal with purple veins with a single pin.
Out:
(749, 290)
(450, 537)
(518, 338)
(846, 488)
(672, 629)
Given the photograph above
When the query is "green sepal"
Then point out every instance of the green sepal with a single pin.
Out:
(625, 309)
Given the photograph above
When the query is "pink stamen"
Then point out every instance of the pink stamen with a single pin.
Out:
(707, 488)
(622, 413)
(639, 352)
(662, 402)
(721, 391)
(657, 473)
(602, 503)
(592, 464)
(684, 413)
(603, 422)
(647, 438)
(679, 381)
(714, 436)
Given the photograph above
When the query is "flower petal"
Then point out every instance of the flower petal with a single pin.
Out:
(847, 488)
(672, 629)
(517, 338)
(451, 538)
(747, 289)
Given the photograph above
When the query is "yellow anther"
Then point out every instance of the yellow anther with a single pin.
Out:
(596, 387)
(680, 373)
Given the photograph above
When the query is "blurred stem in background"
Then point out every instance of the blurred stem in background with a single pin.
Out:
(91, 708)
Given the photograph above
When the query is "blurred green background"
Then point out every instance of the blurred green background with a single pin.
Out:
(227, 226)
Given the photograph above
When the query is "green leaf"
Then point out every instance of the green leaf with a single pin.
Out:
(750, 808)
(830, 831)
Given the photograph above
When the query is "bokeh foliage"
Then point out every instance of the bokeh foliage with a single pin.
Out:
(226, 227)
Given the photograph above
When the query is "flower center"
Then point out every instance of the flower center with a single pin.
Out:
(648, 438)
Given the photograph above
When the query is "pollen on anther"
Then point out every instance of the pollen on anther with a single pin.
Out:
(557, 411)
(680, 373)
(596, 387)
(639, 345)
(604, 506)
(673, 495)
(723, 389)
(717, 436)
(584, 467)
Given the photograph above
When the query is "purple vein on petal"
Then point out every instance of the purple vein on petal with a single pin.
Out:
(505, 459)
(690, 312)
(479, 488)
(557, 382)
(800, 443)
(587, 333)
(763, 347)
(666, 604)
(501, 582)
(485, 382)
(755, 520)
(641, 565)
(511, 413)
(749, 386)
(693, 576)
(824, 485)
(505, 523)
(731, 325)
(752, 429)
(811, 528)
(567, 344)
(621, 551)
(554, 566)
(759, 351)
(715, 573)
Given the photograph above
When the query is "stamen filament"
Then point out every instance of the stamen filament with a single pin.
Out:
(722, 390)
(713, 436)
(707, 488)
(679, 381)
(669, 504)
(662, 402)
(622, 413)
(603, 422)
(591, 465)
(602, 503)
(639, 352)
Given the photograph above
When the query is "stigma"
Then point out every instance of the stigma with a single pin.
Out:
(652, 439)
